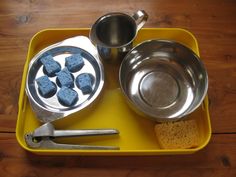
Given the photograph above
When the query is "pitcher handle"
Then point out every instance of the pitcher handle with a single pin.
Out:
(140, 18)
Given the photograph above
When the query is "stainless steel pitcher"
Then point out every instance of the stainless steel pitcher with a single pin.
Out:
(113, 34)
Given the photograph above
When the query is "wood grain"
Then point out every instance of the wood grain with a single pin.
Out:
(218, 159)
(212, 22)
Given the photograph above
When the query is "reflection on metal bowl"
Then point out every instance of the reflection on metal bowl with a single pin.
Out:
(163, 80)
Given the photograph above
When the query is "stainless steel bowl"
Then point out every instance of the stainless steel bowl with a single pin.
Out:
(163, 79)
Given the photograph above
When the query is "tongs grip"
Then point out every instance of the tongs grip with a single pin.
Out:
(93, 132)
(43, 137)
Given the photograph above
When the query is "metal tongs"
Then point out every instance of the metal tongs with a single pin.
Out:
(43, 136)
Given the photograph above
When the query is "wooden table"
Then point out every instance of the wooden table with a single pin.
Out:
(214, 25)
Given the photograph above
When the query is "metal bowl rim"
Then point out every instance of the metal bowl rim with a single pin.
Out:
(163, 119)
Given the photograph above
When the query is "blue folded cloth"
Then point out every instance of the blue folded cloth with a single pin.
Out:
(74, 62)
(51, 67)
(65, 78)
(46, 87)
(85, 82)
(67, 96)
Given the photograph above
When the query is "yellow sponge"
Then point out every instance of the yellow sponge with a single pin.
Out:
(178, 135)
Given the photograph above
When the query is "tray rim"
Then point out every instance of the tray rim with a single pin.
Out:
(21, 104)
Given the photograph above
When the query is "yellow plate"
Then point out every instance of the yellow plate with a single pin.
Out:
(137, 136)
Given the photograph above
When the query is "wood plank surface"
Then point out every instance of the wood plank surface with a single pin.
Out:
(217, 160)
(212, 22)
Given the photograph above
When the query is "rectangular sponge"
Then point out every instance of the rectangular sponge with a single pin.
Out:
(51, 67)
(46, 87)
(178, 135)
(84, 83)
(64, 78)
(74, 62)
(67, 96)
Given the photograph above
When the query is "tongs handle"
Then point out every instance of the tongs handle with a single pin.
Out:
(48, 143)
(88, 132)
(52, 145)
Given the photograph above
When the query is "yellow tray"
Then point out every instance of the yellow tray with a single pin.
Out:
(137, 136)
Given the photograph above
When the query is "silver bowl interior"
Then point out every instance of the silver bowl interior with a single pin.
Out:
(163, 79)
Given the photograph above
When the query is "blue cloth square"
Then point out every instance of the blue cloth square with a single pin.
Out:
(67, 96)
(74, 62)
(64, 78)
(51, 67)
(46, 87)
(85, 83)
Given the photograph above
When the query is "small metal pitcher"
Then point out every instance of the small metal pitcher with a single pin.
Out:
(113, 34)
